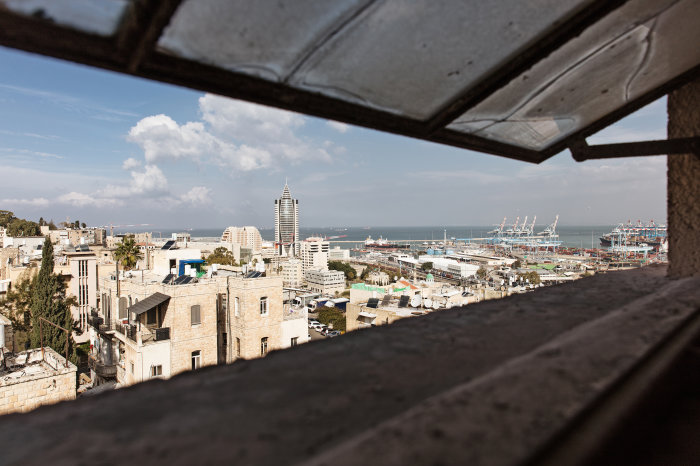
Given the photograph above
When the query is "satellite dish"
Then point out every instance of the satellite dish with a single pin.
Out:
(436, 305)
(427, 302)
(415, 301)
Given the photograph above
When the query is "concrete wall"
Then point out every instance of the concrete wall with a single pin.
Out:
(684, 184)
(294, 328)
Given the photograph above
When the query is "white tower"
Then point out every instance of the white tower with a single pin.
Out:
(287, 224)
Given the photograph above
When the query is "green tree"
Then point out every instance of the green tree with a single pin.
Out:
(481, 273)
(5, 217)
(517, 264)
(347, 269)
(19, 227)
(52, 226)
(49, 301)
(222, 256)
(16, 304)
(128, 253)
(83, 225)
(365, 273)
(427, 266)
(328, 315)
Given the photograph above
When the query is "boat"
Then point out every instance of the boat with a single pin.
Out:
(635, 234)
(384, 245)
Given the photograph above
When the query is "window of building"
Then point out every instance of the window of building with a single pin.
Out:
(263, 346)
(151, 316)
(156, 371)
(263, 306)
(236, 307)
(195, 315)
(132, 366)
(295, 341)
(196, 359)
(122, 307)
(238, 347)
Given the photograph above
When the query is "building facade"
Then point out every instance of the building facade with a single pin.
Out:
(287, 224)
(247, 237)
(314, 254)
(292, 273)
(149, 329)
(327, 282)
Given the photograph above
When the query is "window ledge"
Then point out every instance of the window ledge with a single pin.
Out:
(490, 383)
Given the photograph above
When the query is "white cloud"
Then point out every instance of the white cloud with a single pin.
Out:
(235, 135)
(35, 202)
(131, 163)
(197, 195)
(338, 126)
(86, 200)
(148, 183)
(30, 153)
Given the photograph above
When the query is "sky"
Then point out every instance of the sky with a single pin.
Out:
(105, 148)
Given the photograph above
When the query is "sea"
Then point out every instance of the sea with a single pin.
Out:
(571, 236)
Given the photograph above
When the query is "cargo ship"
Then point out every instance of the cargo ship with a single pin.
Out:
(384, 245)
(636, 234)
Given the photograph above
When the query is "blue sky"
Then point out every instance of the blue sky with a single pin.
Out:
(106, 148)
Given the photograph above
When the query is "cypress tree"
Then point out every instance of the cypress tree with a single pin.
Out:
(49, 301)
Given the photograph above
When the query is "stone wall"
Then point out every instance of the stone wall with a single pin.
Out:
(249, 326)
(46, 387)
(684, 184)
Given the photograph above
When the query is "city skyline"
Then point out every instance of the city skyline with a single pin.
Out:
(105, 148)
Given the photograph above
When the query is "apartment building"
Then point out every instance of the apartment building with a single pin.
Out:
(314, 254)
(248, 237)
(82, 277)
(327, 282)
(292, 273)
(149, 327)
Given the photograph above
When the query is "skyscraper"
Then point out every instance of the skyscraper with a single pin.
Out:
(287, 224)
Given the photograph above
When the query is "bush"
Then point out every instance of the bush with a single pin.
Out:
(347, 269)
(328, 315)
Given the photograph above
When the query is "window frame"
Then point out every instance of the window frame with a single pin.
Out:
(157, 370)
(195, 311)
(264, 347)
(196, 359)
(264, 306)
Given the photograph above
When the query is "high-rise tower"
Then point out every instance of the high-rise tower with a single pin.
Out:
(287, 224)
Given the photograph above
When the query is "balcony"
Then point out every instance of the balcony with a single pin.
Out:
(106, 371)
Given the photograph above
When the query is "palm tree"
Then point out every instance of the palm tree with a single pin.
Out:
(128, 253)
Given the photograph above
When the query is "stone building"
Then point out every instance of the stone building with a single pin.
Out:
(146, 328)
(34, 378)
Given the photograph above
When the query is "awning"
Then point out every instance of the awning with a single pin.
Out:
(149, 303)
(367, 314)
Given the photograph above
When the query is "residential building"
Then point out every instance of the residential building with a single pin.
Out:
(71, 236)
(292, 273)
(325, 281)
(82, 284)
(5, 333)
(338, 254)
(247, 237)
(314, 254)
(33, 378)
(146, 328)
(287, 224)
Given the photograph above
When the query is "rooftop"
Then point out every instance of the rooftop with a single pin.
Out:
(528, 367)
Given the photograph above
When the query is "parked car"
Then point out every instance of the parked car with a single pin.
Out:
(317, 326)
(333, 333)
(313, 322)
